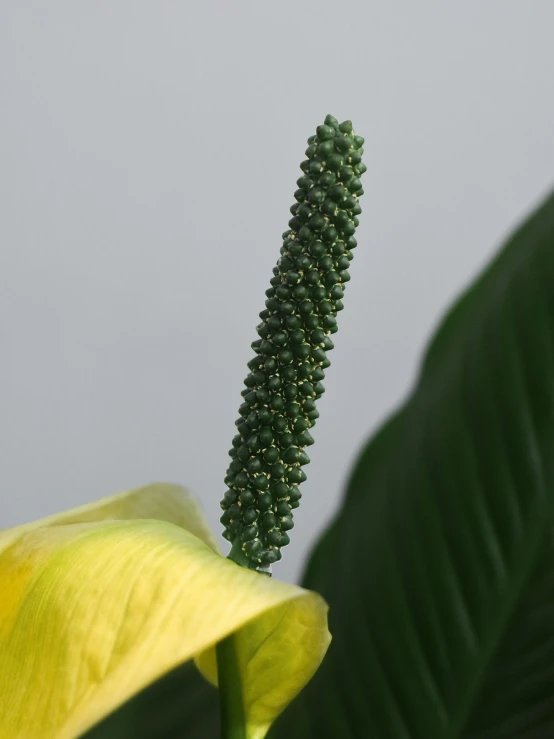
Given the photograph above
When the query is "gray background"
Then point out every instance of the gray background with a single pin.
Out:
(149, 153)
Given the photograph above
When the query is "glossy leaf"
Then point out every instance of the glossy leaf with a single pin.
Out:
(439, 569)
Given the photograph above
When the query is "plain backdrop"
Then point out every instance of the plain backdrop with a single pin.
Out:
(148, 159)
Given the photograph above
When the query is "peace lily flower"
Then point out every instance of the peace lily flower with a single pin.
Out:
(99, 601)
(102, 600)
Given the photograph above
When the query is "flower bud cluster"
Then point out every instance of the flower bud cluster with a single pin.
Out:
(286, 373)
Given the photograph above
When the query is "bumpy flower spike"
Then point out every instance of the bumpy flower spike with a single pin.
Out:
(286, 373)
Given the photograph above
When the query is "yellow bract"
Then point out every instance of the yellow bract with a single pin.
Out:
(100, 601)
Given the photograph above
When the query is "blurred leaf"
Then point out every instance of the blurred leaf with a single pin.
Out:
(439, 569)
(182, 705)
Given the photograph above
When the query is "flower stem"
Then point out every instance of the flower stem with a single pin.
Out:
(237, 555)
(230, 690)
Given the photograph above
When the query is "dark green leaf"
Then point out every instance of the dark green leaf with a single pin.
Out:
(439, 568)
(181, 705)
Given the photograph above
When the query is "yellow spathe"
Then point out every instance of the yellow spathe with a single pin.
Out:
(100, 601)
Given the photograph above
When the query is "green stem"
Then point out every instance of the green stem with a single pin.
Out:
(230, 690)
(237, 554)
